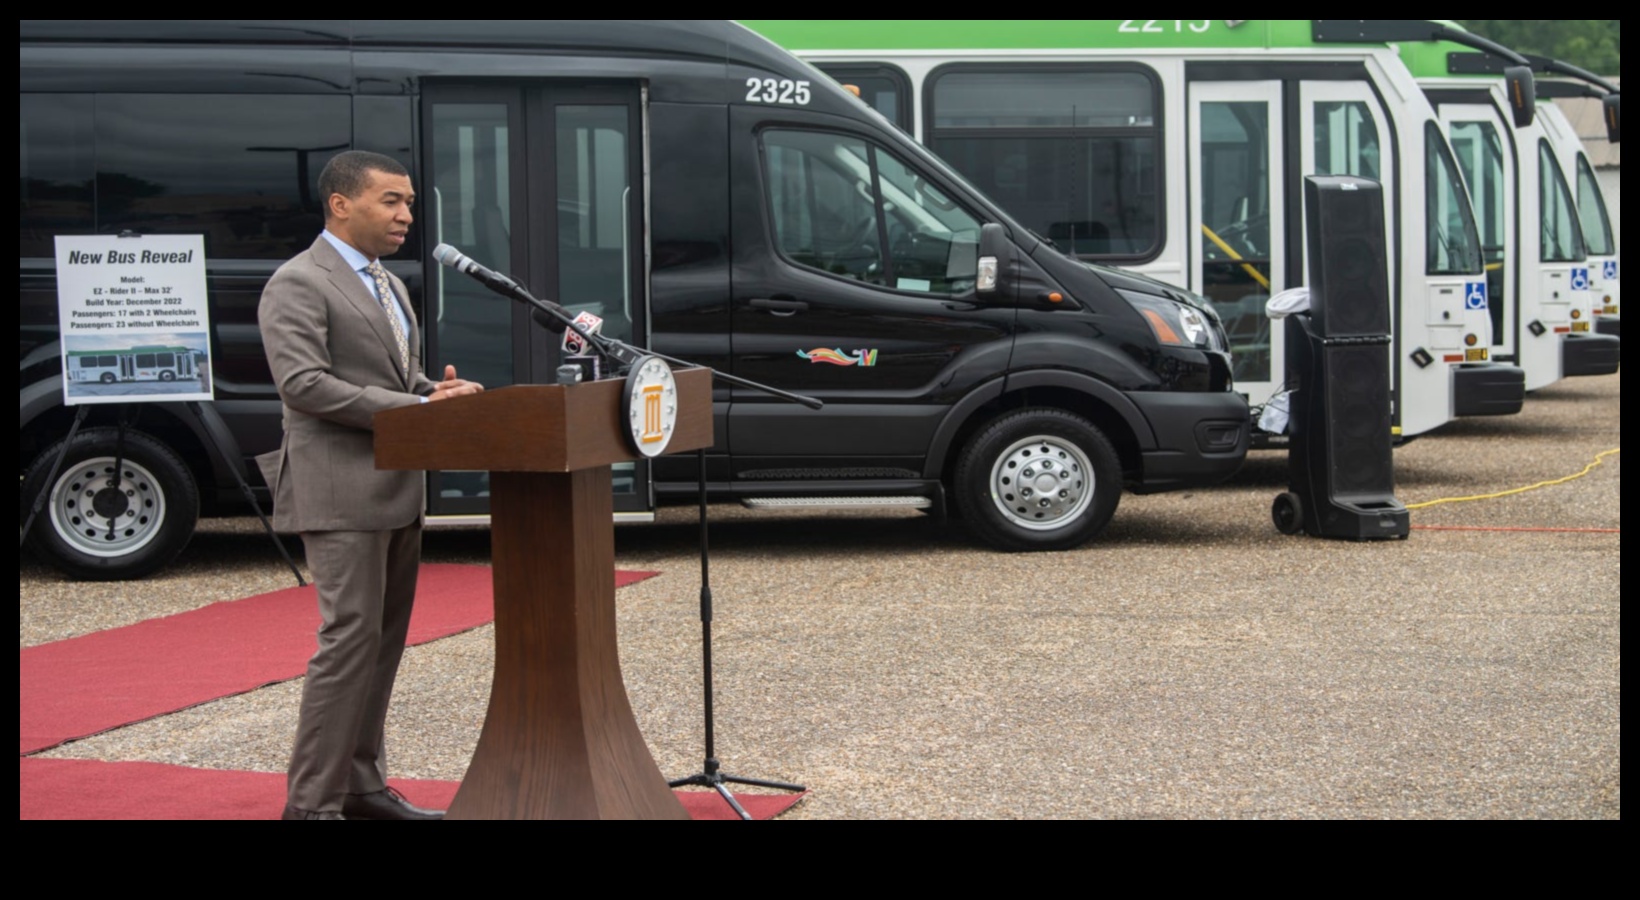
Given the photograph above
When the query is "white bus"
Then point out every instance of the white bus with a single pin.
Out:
(1536, 237)
(1178, 148)
(133, 364)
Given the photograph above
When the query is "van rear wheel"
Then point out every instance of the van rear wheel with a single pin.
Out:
(101, 528)
(1038, 479)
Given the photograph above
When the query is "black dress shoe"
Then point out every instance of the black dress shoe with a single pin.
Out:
(385, 804)
(291, 813)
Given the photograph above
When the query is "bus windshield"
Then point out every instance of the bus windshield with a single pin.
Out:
(1562, 238)
(1591, 211)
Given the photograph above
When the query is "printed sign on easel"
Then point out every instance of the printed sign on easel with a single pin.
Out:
(133, 318)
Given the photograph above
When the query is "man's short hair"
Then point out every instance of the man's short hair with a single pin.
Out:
(348, 173)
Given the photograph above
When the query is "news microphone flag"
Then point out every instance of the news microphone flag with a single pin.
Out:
(574, 344)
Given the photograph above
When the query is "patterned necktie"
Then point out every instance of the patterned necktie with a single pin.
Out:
(384, 293)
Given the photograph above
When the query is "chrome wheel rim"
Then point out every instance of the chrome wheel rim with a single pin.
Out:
(102, 519)
(1042, 483)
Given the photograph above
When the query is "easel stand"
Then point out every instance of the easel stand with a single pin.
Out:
(126, 417)
(245, 489)
(51, 479)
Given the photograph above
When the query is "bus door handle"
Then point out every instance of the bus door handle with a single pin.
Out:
(780, 307)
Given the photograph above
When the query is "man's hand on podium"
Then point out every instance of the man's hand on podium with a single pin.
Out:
(452, 386)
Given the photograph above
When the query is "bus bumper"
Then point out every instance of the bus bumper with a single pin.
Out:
(1201, 439)
(1612, 325)
(1590, 354)
(1488, 389)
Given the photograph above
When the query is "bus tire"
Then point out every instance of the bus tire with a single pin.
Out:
(1038, 479)
(153, 509)
(167, 375)
(107, 378)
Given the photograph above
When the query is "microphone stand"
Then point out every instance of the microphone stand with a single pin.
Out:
(622, 354)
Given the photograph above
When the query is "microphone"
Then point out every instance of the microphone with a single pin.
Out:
(461, 262)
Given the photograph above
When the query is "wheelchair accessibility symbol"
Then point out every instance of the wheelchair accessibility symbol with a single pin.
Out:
(1608, 270)
(1580, 279)
(1474, 295)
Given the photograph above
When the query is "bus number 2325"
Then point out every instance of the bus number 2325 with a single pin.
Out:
(772, 90)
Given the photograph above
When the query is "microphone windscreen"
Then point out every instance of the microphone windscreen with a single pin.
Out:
(551, 323)
(446, 255)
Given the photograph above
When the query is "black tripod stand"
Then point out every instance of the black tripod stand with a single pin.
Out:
(710, 775)
(621, 356)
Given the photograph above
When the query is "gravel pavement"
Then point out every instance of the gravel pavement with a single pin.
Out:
(1191, 663)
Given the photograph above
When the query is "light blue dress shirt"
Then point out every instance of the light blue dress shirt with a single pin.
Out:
(360, 262)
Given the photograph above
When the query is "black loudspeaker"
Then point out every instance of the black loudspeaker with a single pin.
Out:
(1340, 466)
(1356, 420)
(1349, 270)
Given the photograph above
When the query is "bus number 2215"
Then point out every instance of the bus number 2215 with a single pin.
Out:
(1157, 26)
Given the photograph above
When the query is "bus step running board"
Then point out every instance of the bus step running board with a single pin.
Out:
(834, 502)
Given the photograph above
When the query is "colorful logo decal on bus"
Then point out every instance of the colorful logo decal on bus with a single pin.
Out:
(839, 358)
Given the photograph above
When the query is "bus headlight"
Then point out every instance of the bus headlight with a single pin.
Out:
(1176, 324)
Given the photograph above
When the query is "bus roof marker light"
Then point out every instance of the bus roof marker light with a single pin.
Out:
(1522, 91)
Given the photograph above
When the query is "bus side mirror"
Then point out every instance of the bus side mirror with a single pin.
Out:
(995, 251)
(1522, 91)
(1609, 106)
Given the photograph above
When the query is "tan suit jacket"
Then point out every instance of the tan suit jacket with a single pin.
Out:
(335, 363)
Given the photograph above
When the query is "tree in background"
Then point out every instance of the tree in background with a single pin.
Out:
(1593, 44)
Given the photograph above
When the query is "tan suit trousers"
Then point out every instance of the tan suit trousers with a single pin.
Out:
(366, 582)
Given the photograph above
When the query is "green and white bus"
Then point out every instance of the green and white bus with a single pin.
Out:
(1178, 148)
(156, 363)
(1605, 284)
(1534, 234)
(1593, 216)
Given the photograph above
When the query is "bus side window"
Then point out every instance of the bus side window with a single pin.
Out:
(836, 200)
(242, 171)
(822, 203)
(55, 144)
(1071, 151)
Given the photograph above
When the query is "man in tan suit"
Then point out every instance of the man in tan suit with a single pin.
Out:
(343, 345)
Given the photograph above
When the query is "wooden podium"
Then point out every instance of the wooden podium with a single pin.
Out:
(559, 739)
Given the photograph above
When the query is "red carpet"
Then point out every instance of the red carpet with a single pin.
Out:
(91, 789)
(90, 684)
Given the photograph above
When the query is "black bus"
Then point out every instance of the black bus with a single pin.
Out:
(704, 192)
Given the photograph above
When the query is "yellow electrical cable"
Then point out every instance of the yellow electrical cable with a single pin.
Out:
(1586, 469)
(1257, 275)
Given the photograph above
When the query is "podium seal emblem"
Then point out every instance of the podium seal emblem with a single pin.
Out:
(650, 406)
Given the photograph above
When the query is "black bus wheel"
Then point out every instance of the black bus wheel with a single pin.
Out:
(167, 375)
(99, 528)
(107, 378)
(1038, 479)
